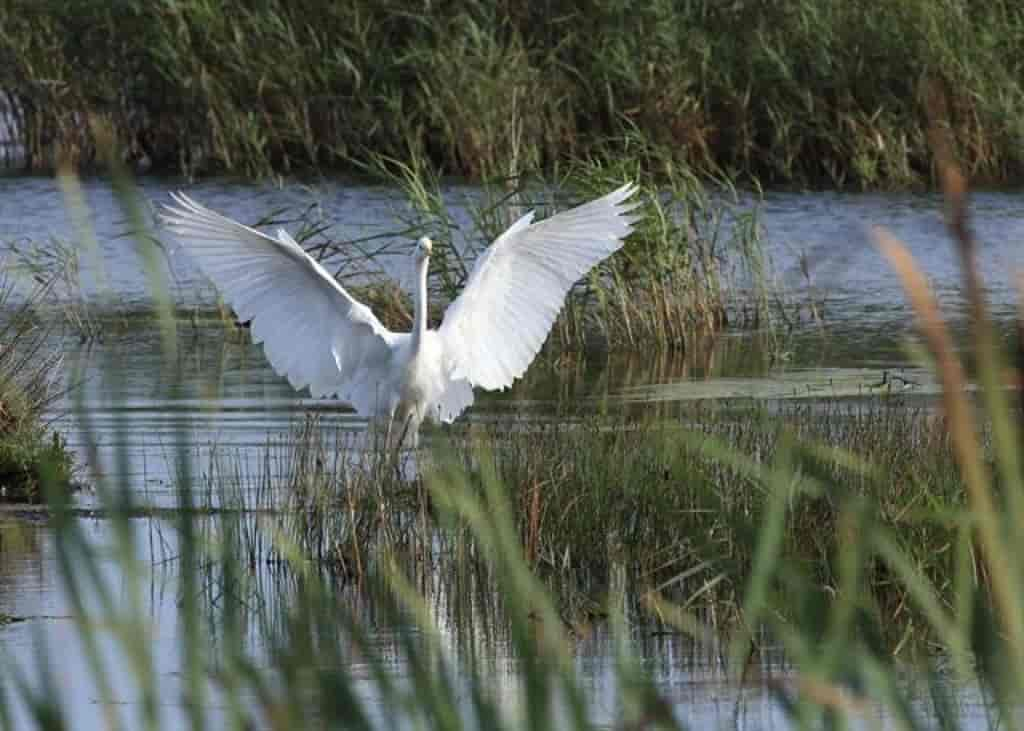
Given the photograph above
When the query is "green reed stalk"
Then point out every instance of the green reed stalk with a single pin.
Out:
(318, 663)
(808, 92)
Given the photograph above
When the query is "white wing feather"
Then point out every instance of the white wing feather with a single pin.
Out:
(457, 397)
(313, 331)
(496, 326)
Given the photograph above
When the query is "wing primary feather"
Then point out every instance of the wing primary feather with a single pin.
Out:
(302, 316)
(492, 331)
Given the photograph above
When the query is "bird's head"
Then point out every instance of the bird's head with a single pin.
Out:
(423, 248)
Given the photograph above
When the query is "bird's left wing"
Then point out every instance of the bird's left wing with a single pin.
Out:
(313, 331)
(494, 328)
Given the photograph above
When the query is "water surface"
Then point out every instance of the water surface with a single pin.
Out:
(221, 398)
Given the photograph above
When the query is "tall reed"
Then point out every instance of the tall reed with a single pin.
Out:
(318, 664)
(808, 92)
(31, 453)
(693, 265)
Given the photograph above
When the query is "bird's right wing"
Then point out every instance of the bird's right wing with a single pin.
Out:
(313, 331)
(494, 328)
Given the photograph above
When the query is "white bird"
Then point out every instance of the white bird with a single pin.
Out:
(319, 336)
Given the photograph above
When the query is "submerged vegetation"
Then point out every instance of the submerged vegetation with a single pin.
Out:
(814, 91)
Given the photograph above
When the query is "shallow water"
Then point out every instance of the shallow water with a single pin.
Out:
(868, 323)
(222, 399)
(690, 678)
(830, 229)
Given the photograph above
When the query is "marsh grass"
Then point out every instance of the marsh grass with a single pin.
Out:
(693, 265)
(605, 503)
(814, 535)
(31, 452)
(59, 265)
(807, 92)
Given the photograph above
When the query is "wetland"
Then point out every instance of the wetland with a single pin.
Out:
(630, 478)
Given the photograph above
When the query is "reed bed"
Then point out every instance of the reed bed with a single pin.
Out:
(603, 503)
(31, 453)
(820, 536)
(693, 265)
(809, 92)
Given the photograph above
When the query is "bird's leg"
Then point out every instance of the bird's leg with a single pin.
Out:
(406, 422)
(403, 421)
(387, 429)
(411, 429)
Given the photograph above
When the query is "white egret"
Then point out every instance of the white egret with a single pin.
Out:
(318, 336)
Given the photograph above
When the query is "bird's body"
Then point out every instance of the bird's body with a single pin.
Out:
(421, 384)
(318, 336)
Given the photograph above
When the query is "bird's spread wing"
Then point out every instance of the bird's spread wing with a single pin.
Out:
(494, 328)
(313, 331)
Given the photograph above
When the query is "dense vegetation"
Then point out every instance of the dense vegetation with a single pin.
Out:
(803, 543)
(693, 263)
(813, 91)
(650, 505)
(31, 453)
(837, 532)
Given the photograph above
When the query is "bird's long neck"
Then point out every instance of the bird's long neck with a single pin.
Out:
(419, 326)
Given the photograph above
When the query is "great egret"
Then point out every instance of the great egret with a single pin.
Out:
(318, 336)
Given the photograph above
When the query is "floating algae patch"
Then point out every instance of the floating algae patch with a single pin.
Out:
(797, 384)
